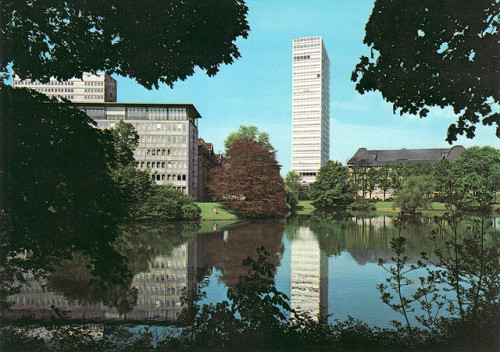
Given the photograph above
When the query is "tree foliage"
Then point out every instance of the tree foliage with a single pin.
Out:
(435, 53)
(57, 196)
(331, 189)
(250, 181)
(167, 204)
(416, 194)
(152, 42)
(476, 176)
(249, 132)
(292, 187)
(125, 141)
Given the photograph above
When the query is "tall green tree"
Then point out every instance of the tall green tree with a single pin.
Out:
(125, 141)
(384, 179)
(445, 182)
(134, 186)
(477, 177)
(416, 193)
(435, 54)
(372, 180)
(292, 186)
(249, 132)
(331, 189)
(358, 180)
(152, 42)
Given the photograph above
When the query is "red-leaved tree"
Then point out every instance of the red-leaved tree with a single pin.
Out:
(250, 181)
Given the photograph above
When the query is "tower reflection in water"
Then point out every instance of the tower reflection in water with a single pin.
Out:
(309, 275)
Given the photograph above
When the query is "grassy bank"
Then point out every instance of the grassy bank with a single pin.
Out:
(207, 212)
(382, 208)
(305, 207)
(386, 208)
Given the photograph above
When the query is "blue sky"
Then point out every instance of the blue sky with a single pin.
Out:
(256, 89)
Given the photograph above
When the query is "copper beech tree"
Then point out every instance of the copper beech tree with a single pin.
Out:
(250, 181)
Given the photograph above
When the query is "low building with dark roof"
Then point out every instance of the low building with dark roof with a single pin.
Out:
(378, 158)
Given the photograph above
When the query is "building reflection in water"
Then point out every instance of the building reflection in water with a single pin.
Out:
(159, 289)
(309, 275)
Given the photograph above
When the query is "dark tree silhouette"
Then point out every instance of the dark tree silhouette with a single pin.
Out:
(250, 182)
(150, 41)
(57, 196)
(435, 53)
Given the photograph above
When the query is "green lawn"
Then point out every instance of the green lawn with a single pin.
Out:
(207, 212)
(387, 208)
(383, 208)
(305, 207)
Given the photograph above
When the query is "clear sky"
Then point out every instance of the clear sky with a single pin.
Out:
(257, 88)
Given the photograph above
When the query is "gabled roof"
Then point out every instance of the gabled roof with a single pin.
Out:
(376, 158)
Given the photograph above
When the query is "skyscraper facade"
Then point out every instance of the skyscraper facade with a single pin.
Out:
(310, 107)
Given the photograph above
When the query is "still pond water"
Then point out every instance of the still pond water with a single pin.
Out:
(324, 264)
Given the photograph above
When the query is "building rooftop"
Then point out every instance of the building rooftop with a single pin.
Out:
(376, 158)
(191, 108)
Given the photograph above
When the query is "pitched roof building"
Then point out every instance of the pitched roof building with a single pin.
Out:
(378, 158)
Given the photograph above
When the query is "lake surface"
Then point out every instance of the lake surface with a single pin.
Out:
(325, 264)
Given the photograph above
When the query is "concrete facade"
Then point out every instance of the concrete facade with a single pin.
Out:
(168, 144)
(99, 87)
(310, 107)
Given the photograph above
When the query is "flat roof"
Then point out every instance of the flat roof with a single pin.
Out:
(145, 105)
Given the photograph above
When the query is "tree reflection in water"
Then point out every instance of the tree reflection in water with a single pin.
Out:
(167, 259)
(241, 241)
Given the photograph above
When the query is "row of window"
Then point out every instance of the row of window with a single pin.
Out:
(303, 46)
(308, 39)
(151, 277)
(306, 66)
(306, 72)
(94, 90)
(301, 57)
(165, 126)
(170, 177)
(55, 90)
(302, 112)
(165, 264)
(305, 151)
(135, 113)
(162, 165)
(160, 290)
(305, 79)
(93, 97)
(296, 99)
(305, 137)
(93, 83)
(40, 301)
(29, 82)
(315, 85)
(305, 105)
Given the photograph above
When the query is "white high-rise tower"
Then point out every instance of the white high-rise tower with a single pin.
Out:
(310, 107)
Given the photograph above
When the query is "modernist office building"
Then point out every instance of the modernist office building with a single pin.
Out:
(98, 87)
(310, 107)
(168, 144)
